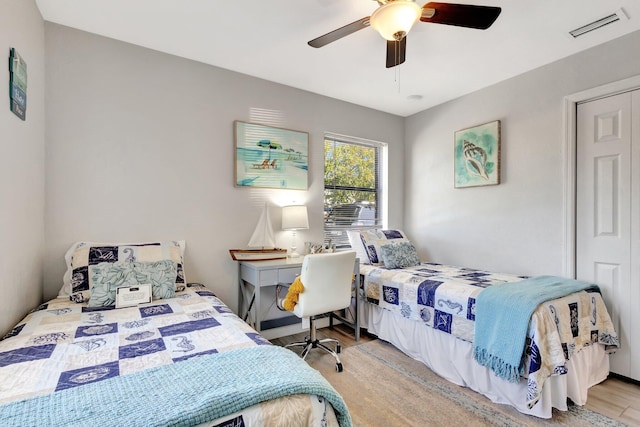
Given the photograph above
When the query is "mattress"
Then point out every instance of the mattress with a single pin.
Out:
(442, 298)
(186, 360)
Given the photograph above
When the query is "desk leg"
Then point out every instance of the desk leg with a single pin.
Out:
(356, 283)
(245, 312)
(355, 321)
(256, 307)
(253, 298)
(240, 297)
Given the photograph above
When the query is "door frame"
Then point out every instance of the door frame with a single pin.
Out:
(569, 150)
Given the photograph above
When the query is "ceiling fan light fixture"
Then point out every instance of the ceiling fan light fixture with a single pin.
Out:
(393, 20)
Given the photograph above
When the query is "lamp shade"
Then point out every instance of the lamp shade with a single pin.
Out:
(393, 20)
(295, 217)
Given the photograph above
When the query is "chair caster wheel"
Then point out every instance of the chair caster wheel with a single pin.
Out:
(338, 348)
(339, 367)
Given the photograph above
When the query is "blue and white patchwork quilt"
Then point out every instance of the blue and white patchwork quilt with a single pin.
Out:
(444, 298)
(57, 361)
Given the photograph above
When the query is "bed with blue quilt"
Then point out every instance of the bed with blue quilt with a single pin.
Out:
(183, 359)
(527, 342)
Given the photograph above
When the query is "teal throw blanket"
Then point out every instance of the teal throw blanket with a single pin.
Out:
(186, 393)
(503, 313)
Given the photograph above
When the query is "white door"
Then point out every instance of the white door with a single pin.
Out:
(608, 215)
(634, 321)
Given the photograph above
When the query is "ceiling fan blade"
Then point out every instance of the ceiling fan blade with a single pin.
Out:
(460, 15)
(396, 51)
(340, 33)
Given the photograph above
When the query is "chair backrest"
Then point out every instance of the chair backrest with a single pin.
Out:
(327, 279)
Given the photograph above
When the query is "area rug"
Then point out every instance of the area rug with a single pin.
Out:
(384, 387)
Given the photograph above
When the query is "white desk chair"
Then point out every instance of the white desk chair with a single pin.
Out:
(327, 282)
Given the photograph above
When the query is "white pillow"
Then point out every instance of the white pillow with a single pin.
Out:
(356, 244)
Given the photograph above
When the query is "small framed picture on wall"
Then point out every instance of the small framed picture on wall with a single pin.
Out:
(477, 155)
(17, 84)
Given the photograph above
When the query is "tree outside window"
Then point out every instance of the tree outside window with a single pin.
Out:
(351, 188)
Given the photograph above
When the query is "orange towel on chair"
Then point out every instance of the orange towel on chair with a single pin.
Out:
(291, 299)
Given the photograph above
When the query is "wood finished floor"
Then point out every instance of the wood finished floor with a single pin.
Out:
(615, 398)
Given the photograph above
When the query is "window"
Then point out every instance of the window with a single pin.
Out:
(353, 187)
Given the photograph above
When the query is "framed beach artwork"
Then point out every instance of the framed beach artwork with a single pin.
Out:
(270, 157)
(477, 155)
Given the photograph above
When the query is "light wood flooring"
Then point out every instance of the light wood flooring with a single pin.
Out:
(615, 397)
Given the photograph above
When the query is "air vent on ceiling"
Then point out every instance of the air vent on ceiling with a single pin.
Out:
(618, 15)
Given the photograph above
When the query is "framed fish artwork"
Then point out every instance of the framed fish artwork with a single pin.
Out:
(477, 155)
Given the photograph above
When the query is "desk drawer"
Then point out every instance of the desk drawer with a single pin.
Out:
(288, 275)
(268, 277)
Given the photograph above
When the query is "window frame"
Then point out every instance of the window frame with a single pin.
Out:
(381, 185)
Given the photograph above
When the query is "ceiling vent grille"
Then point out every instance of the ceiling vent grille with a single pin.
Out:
(618, 15)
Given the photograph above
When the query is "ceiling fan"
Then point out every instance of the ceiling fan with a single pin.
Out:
(394, 18)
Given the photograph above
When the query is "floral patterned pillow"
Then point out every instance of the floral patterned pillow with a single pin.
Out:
(399, 254)
(106, 277)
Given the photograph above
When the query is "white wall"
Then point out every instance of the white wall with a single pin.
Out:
(21, 166)
(515, 226)
(140, 146)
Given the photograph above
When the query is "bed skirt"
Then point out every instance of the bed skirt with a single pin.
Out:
(452, 359)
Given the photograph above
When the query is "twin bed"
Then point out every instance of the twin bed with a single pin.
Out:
(183, 359)
(186, 359)
(436, 314)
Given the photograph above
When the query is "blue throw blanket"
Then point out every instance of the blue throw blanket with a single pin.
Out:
(180, 394)
(503, 313)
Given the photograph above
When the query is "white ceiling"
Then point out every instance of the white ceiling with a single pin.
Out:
(268, 39)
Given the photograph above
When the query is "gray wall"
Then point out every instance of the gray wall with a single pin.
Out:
(516, 226)
(21, 166)
(140, 146)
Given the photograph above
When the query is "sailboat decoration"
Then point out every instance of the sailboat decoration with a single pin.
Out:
(263, 238)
